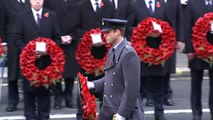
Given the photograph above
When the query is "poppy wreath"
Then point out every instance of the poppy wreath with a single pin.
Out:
(84, 55)
(88, 101)
(203, 49)
(52, 73)
(149, 55)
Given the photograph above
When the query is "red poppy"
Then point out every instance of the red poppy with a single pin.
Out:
(52, 73)
(84, 55)
(203, 49)
(151, 55)
(88, 101)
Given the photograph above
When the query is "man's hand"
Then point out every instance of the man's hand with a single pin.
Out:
(67, 39)
(90, 85)
(154, 34)
(4, 49)
(39, 54)
(98, 44)
(190, 56)
(118, 117)
(179, 45)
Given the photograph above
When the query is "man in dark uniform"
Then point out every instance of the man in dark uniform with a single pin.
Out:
(153, 75)
(122, 77)
(66, 11)
(196, 9)
(37, 22)
(10, 10)
(90, 16)
(175, 18)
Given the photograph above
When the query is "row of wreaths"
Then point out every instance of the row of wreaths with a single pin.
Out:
(203, 49)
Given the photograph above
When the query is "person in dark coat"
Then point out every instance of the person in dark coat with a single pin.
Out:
(121, 8)
(175, 18)
(122, 77)
(196, 9)
(10, 10)
(90, 17)
(36, 99)
(152, 76)
(67, 14)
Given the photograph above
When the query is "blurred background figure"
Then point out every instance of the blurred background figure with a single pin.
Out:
(10, 9)
(66, 11)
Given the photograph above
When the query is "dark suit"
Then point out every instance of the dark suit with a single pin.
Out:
(67, 14)
(121, 80)
(197, 65)
(10, 10)
(175, 18)
(151, 76)
(36, 99)
(122, 8)
(89, 19)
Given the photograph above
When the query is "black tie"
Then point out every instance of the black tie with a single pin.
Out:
(113, 3)
(21, 2)
(150, 7)
(38, 19)
(97, 7)
(113, 52)
(208, 5)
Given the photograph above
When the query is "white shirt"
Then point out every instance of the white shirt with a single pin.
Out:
(117, 44)
(22, 1)
(153, 4)
(93, 2)
(35, 13)
(116, 3)
(206, 2)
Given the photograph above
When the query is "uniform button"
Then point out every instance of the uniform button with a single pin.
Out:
(105, 72)
(116, 61)
(111, 96)
(104, 83)
(105, 95)
(112, 85)
(113, 73)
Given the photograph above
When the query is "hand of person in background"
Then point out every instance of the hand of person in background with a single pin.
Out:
(67, 39)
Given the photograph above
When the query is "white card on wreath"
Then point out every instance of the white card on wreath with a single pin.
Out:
(211, 26)
(183, 2)
(96, 38)
(40, 46)
(157, 27)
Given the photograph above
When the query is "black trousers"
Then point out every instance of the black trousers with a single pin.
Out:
(13, 95)
(167, 88)
(196, 87)
(66, 93)
(37, 104)
(156, 90)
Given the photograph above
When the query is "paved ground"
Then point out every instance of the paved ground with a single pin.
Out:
(180, 111)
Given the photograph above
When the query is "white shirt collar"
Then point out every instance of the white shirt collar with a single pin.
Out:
(206, 2)
(35, 13)
(22, 1)
(153, 4)
(118, 44)
(93, 2)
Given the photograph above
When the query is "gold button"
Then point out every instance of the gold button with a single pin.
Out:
(111, 84)
(104, 83)
(116, 61)
(113, 73)
(104, 95)
(111, 96)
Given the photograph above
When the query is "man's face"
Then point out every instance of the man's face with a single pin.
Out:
(36, 4)
(110, 36)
